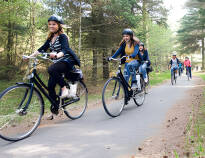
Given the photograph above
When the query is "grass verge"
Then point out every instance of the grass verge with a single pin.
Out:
(195, 137)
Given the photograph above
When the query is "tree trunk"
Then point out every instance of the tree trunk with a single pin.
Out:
(144, 18)
(105, 65)
(94, 72)
(202, 52)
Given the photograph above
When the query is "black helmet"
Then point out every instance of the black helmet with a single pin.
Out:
(141, 44)
(56, 19)
(127, 32)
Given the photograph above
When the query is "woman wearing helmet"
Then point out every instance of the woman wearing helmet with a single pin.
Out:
(129, 46)
(57, 43)
(145, 61)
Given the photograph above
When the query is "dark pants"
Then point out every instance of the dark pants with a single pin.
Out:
(188, 69)
(55, 76)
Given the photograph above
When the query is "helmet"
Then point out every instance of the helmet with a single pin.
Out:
(56, 19)
(141, 44)
(174, 53)
(127, 32)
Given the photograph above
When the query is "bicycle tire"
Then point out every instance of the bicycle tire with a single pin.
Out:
(141, 94)
(112, 98)
(77, 109)
(147, 85)
(16, 124)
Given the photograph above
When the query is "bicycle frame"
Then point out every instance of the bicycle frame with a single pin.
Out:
(34, 79)
(125, 85)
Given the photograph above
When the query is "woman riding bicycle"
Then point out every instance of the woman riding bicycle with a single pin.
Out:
(129, 46)
(145, 61)
(57, 43)
(174, 63)
(187, 65)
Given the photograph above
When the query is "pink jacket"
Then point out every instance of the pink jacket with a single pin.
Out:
(187, 63)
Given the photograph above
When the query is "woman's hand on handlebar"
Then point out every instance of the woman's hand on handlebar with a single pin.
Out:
(53, 55)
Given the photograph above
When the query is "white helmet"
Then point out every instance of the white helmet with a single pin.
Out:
(174, 53)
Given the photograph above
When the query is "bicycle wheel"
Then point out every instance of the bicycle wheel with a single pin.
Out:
(147, 85)
(172, 79)
(139, 97)
(113, 97)
(16, 123)
(77, 109)
(175, 78)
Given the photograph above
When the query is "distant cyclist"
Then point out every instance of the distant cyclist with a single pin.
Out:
(174, 63)
(187, 65)
(145, 63)
(180, 68)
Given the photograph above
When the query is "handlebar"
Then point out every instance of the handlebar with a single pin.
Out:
(118, 59)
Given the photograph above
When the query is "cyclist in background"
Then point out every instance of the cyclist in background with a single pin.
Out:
(145, 61)
(174, 63)
(180, 68)
(187, 65)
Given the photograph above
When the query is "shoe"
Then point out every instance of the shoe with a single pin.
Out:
(134, 85)
(54, 109)
(73, 90)
(146, 80)
(50, 117)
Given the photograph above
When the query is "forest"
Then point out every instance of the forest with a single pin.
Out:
(94, 29)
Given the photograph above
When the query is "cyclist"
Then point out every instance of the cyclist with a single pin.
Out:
(145, 63)
(57, 43)
(174, 63)
(180, 68)
(129, 46)
(187, 65)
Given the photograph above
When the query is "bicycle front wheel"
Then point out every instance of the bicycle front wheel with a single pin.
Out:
(16, 121)
(113, 97)
(77, 109)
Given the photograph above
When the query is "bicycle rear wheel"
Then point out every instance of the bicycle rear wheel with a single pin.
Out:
(15, 122)
(139, 97)
(147, 85)
(113, 97)
(77, 109)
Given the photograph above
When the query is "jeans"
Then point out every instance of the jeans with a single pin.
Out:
(142, 70)
(130, 70)
(173, 69)
(189, 69)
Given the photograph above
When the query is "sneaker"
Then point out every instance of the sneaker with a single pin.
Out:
(134, 85)
(73, 90)
(146, 80)
(50, 117)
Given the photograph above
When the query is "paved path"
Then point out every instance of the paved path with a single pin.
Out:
(96, 135)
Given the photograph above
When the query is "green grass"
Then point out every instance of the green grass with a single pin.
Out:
(157, 78)
(195, 141)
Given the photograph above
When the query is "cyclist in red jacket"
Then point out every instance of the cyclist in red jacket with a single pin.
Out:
(187, 65)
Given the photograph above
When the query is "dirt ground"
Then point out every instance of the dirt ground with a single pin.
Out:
(171, 138)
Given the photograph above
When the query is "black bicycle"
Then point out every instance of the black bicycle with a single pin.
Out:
(117, 92)
(22, 105)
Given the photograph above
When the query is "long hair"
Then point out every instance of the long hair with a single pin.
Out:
(134, 41)
(60, 31)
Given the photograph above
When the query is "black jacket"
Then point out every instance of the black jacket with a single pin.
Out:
(63, 39)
